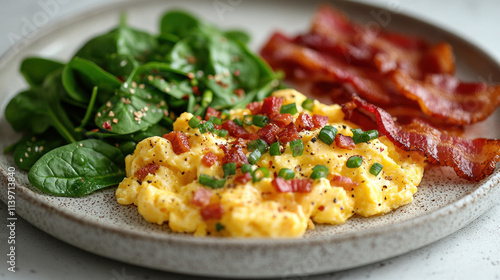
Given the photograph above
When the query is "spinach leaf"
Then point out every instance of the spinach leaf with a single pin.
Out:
(35, 69)
(78, 169)
(81, 75)
(29, 149)
(178, 23)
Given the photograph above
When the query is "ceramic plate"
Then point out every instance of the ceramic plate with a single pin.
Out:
(98, 224)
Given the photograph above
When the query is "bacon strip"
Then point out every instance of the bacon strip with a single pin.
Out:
(472, 160)
(179, 142)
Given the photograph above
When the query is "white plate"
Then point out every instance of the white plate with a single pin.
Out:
(96, 223)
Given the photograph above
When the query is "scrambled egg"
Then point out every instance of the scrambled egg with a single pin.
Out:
(258, 209)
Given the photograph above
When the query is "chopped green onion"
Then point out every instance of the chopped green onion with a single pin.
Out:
(360, 136)
(354, 162)
(248, 119)
(286, 174)
(264, 172)
(376, 168)
(220, 132)
(211, 182)
(308, 104)
(194, 122)
(219, 227)
(258, 144)
(297, 147)
(254, 156)
(229, 169)
(289, 109)
(246, 168)
(275, 149)
(327, 134)
(215, 120)
(238, 122)
(206, 127)
(319, 171)
(260, 120)
(206, 98)
(225, 114)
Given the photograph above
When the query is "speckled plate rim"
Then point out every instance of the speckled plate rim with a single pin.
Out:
(486, 194)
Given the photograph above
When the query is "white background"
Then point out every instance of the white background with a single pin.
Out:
(471, 253)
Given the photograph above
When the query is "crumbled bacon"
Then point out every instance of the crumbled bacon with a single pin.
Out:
(319, 121)
(212, 112)
(144, 171)
(344, 142)
(282, 120)
(243, 178)
(201, 197)
(212, 211)
(209, 159)
(271, 106)
(304, 122)
(234, 154)
(294, 185)
(254, 107)
(268, 133)
(287, 134)
(238, 131)
(345, 182)
(179, 142)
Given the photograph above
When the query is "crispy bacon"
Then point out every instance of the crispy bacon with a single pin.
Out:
(144, 171)
(201, 197)
(254, 107)
(212, 112)
(282, 120)
(243, 178)
(209, 159)
(344, 142)
(347, 183)
(319, 121)
(304, 122)
(287, 134)
(179, 142)
(294, 185)
(473, 160)
(212, 211)
(271, 106)
(445, 97)
(238, 131)
(268, 133)
(234, 154)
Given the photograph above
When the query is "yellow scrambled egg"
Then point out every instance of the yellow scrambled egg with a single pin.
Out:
(258, 209)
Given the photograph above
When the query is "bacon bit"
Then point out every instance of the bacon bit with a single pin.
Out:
(344, 182)
(209, 159)
(234, 154)
(282, 120)
(344, 142)
(185, 97)
(144, 171)
(295, 185)
(191, 60)
(106, 125)
(304, 122)
(179, 142)
(287, 134)
(195, 90)
(243, 178)
(201, 197)
(254, 107)
(321, 208)
(237, 73)
(115, 120)
(271, 106)
(268, 133)
(212, 112)
(239, 91)
(319, 121)
(472, 160)
(238, 131)
(212, 211)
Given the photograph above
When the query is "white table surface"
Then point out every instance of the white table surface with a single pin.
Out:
(471, 253)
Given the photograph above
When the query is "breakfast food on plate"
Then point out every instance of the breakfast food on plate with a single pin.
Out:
(270, 170)
(401, 85)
